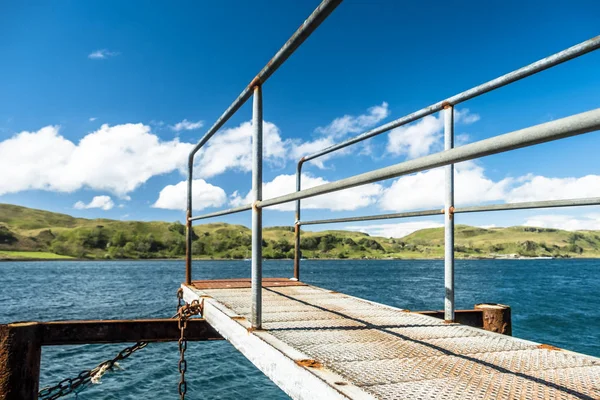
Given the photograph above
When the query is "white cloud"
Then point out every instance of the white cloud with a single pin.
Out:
(534, 188)
(426, 189)
(116, 158)
(186, 125)
(349, 199)
(102, 54)
(416, 139)
(231, 149)
(394, 230)
(103, 202)
(566, 222)
(419, 138)
(489, 226)
(204, 195)
(337, 130)
(299, 150)
(92, 119)
(342, 126)
(464, 116)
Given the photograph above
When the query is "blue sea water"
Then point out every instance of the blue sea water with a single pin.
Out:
(553, 301)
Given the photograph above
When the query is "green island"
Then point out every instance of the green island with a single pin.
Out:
(28, 234)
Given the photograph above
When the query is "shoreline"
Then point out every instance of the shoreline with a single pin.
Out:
(289, 259)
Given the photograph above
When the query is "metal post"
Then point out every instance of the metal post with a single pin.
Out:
(297, 222)
(20, 356)
(188, 225)
(449, 217)
(257, 153)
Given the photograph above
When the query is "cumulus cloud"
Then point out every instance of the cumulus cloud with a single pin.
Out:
(566, 222)
(394, 230)
(300, 149)
(426, 189)
(231, 149)
(102, 54)
(103, 202)
(116, 158)
(535, 188)
(419, 138)
(204, 195)
(465, 116)
(336, 131)
(349, 199)
(186, 125)
(347, 124)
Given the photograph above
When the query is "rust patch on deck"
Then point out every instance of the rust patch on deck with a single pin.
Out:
(243, 283)
(548, 347)
(309, 363)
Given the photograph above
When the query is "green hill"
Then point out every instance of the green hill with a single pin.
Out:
(29, 233)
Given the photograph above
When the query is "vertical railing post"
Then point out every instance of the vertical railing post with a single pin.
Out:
(188, 224)
(257, 154)
(297, 253)
(449, 217)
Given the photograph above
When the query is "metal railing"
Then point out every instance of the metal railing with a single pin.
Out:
(565, 127)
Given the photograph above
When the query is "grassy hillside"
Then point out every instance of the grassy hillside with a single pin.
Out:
(28, 233)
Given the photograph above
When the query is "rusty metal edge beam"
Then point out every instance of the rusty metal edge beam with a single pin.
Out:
(119, 331)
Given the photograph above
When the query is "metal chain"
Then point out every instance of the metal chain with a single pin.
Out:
(184, 312)
(70, 385)
(78, 383)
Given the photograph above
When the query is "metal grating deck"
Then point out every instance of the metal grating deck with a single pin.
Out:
(322, 344)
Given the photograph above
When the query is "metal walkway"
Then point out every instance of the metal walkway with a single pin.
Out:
(320, 344)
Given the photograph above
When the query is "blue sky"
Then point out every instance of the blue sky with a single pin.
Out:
(101, 101)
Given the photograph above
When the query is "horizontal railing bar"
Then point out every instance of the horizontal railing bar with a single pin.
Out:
(531, 69)
(234, 210)
(310, 24)
(592, 201)
(549, 131)
(409, 214)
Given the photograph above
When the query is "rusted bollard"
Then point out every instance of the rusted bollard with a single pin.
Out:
(20, 356)
(496, 317)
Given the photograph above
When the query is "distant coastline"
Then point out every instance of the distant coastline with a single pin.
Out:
(73, 259)
(30, 234)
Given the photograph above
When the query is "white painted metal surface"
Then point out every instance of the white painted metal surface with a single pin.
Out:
(319, 344)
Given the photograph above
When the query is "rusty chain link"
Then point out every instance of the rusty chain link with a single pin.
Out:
(74, 385)
(184, 312)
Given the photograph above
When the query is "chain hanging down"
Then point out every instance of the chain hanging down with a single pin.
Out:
(184, 312)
